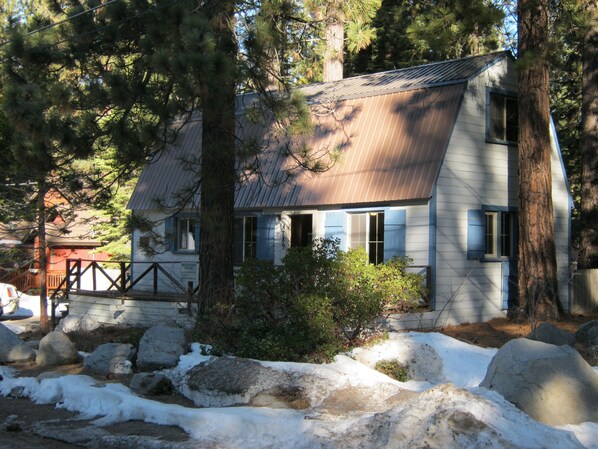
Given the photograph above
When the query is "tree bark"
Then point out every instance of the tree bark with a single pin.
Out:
(218, 163)
(42, 255)
(334, 37)
(588, 254)
(538, 289)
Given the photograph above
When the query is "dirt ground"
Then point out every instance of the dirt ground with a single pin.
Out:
(19, 418)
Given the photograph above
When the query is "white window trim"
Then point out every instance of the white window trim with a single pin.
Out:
(367, 214)
(185, 238)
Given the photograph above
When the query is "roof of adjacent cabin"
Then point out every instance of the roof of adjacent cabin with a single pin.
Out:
(390, 129)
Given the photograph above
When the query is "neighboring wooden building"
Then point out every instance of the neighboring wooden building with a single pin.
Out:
(428, 170)
(69, 235)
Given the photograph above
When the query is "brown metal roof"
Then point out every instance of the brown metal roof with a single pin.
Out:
(391, 129)
(391, 147)
(417, 77)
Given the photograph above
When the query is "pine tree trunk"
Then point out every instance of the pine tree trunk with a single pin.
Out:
(538, 289)
(42, 256)
(333, 57)
(588, 256)
(218, 164)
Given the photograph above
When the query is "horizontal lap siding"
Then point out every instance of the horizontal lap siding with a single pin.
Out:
(476, 173)
(171, 262)
(473, 173)
(418, 234)
(109, 311)
(561, 200)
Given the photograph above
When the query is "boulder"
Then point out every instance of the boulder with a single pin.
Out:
(548, 333)
(160, 347)
(12, 348)
(151, 384)
(587, 334)
(56, 349)
(552, 384)
(72, 323)
(228, 381)
(109, 358)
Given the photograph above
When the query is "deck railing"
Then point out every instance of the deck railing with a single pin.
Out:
(149, 277)
(116, 276)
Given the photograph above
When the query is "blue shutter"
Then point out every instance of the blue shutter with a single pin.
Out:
(265, 237)
(476, 231)
(504, 290)
(170, 234)
(395, 231)
(509, 287)
(334, 227)
(197, 236)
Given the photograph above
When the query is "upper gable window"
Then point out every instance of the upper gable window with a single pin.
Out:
(503, 123)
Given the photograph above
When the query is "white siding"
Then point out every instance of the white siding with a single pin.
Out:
(418, 234)
(476, 173)
(178, 265)
(131, 312)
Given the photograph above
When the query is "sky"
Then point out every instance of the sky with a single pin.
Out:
(453, 387)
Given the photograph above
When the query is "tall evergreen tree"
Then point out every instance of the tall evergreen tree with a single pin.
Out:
(49, 127)
(407, 33)
(138, 71)
(589, 150)
(350, 18)
(537, 269)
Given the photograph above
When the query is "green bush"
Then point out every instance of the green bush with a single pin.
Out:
(318, 301)
(393, 368)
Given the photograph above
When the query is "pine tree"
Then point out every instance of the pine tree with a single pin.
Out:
(48, 131)
(537, 269)
(589, 150)
(339, 18)
(408, 33)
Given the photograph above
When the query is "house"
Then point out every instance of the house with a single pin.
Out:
(69, 235)
(427, 170)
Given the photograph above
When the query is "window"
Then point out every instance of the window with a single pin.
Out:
(503, 123)
(187, 232)
(301, 230)
(245, 239)
(367, 231)
(499, 234)
(490, 234)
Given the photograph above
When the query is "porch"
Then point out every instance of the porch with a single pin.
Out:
(147, 293)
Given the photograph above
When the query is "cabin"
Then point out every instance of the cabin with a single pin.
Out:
(427, 169)
(69, 235)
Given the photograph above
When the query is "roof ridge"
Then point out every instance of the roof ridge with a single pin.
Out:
(496, 55)
(421, 76)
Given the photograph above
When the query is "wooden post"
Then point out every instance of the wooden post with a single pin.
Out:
(123, 277)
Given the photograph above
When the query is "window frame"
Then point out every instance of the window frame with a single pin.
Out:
(244, 220)
(178, 235)
(500, 240)
(506, 96)
(367, 239)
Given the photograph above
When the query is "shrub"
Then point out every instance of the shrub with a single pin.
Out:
(393, 368)
(319, 300)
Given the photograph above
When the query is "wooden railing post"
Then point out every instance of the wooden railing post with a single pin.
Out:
(155, 279)
(79, 274)
(93, 276)
(68, 274)
(123, 277)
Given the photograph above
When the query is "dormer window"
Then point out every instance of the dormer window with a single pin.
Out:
(503, 122)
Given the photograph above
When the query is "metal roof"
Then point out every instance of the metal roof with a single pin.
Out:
(417, 77)
(391, 130)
